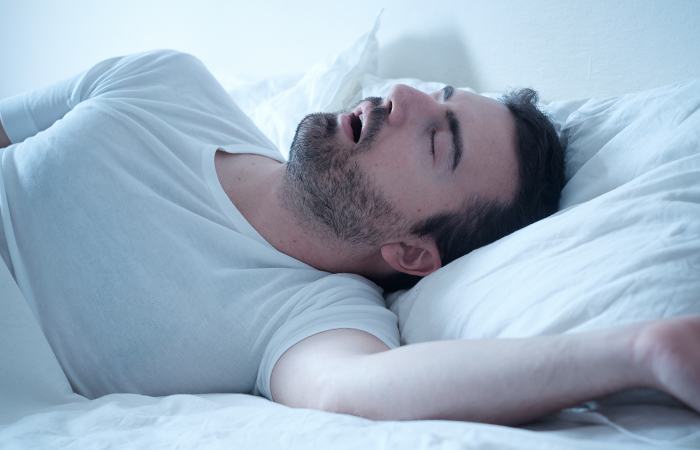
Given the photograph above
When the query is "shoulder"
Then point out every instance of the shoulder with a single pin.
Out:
(166, 76)
(344, 287)
(165, 61)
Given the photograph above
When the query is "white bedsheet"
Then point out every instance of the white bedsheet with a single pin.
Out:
(246, 422)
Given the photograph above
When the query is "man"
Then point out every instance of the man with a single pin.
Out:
(166, 247)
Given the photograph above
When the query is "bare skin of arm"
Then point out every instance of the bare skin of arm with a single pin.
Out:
(501, 381)
(4, 140)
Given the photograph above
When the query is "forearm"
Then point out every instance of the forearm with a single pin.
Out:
(497, 381)
(27, 114)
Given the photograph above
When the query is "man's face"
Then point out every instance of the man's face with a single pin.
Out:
(367, 174)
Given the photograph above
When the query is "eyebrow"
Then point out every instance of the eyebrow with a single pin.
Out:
(455, 129)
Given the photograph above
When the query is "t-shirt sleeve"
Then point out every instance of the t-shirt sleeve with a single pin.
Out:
(25, 115)
(334, 302)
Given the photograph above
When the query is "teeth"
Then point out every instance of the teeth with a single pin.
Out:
(362, 119)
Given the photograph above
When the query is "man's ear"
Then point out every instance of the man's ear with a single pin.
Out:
(414, 257)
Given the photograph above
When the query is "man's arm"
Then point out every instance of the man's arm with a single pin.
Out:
(504, 381)
(4, 140)
(32, 112)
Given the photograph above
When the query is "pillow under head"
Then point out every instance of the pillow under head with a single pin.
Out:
(624, 247)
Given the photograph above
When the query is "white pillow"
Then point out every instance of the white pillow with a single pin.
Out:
(624, 247)
(277, 105)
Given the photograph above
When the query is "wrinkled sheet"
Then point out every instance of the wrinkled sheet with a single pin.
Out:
(242, 421)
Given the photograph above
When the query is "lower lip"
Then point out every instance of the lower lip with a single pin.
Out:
(346, 125)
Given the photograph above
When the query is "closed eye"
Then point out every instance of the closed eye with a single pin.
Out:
(432, 143)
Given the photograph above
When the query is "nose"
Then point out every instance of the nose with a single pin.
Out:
(407, 104)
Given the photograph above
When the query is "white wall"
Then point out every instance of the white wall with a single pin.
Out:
(564, 48)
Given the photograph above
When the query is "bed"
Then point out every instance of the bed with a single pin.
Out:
(624, 247)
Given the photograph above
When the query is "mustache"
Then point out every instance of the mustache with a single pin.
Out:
(374, 122)
(375, 101)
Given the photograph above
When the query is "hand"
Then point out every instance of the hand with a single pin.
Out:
(670, 349)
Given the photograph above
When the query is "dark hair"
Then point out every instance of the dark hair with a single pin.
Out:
(541, 178)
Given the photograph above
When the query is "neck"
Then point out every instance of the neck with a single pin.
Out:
(254, 184)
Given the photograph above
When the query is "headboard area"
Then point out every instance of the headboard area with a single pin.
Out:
(565, 49)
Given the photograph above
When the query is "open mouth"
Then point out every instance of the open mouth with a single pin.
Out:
(356, 124)
(353, 122)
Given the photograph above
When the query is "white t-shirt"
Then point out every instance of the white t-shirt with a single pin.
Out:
(143, 275)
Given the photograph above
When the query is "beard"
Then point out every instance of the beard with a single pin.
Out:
(327, 190)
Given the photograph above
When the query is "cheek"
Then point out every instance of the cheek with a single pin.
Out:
(412, 190)
(394, 169)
